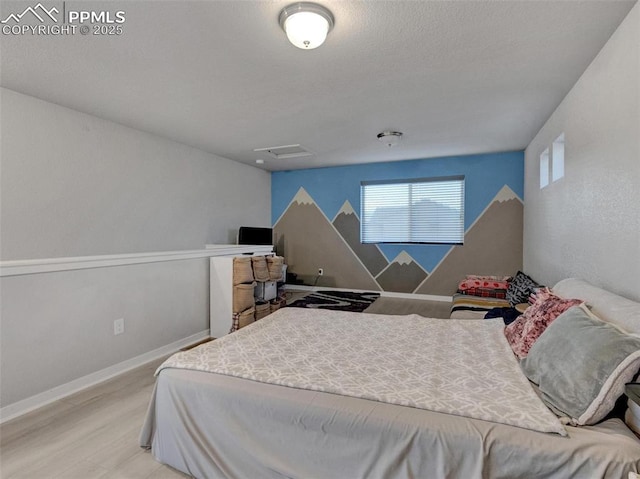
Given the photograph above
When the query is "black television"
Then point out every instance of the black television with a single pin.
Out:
(252, 235)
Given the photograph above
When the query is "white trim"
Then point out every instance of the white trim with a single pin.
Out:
(427, 297)
(390, 294)
(49, 265)
(39, 400)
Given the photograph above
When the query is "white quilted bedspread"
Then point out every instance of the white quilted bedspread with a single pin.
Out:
(460, 367)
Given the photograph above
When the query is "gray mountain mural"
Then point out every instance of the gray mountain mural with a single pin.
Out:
(492, 245)
(348, 225)
(308, 241)
(403, 275)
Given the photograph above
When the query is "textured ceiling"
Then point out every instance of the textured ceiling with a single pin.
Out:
(457, 77)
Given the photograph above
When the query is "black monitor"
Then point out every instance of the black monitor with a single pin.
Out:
(251, 235)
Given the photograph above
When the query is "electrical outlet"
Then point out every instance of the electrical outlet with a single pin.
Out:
(320, 271)
(118, 326)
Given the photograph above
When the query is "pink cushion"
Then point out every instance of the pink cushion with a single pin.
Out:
(525, 330)
(485, 286)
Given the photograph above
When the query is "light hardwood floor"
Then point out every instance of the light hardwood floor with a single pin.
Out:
(91, 434)
(94, 433)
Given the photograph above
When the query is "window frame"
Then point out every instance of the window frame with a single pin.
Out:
(411, 181)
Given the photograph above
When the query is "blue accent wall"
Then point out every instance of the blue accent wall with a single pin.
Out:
(484, 175)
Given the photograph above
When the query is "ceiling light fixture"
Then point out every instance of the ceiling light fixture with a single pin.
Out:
(306, 24)
(390, 138)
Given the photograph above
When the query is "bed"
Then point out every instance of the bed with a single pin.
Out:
(248, 420)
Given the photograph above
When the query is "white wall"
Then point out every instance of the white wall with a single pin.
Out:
(58, 327)
(75, 185)
(587, 224)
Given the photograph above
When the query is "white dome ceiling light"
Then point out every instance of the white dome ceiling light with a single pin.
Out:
(306, 24)
(390, 138)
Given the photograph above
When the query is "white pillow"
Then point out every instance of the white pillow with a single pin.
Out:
(608, 306)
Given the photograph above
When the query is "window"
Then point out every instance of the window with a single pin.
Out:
(544, 168)
(427, 210)
(557, 158)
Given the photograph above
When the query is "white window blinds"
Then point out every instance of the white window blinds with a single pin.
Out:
(427, 210)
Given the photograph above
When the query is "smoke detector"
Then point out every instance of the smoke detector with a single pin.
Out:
(390, 138)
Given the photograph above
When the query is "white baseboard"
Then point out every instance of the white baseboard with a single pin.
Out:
(34, 402)
(427, 297)
(390, 294)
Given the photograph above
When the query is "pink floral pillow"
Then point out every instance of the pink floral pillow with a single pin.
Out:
(485, 286)
(525, 330)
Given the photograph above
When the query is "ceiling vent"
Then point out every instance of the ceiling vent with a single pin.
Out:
(286, 151)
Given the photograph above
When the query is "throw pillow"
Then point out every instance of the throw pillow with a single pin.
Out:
(520, 288)
(525, 330)
(485, 286)
(493, 278)
(581, 364)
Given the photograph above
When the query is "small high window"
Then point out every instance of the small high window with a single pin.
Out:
(426, 210)
(557, 158)
(544, 168)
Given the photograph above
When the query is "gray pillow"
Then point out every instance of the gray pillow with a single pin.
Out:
(581, 363)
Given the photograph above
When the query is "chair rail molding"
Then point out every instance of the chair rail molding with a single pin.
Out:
(50, 265)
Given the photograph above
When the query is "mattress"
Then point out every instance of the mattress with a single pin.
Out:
(216, 426)
(395, 359)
